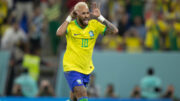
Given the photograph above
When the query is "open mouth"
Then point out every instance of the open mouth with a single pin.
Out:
(85, 21)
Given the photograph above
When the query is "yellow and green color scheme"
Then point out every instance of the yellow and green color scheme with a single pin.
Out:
(80, 44)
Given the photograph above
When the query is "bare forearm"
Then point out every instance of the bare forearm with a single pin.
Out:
(110, 27)
(62, 29)
(97, 14)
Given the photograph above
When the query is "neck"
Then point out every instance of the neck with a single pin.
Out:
(79, 23)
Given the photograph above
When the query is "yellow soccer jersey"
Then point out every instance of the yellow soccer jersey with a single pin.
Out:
(80, 44)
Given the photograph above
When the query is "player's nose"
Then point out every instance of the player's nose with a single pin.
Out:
(86, 15)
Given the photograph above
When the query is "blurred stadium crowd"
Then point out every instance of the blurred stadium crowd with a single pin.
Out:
(29, 26)
(143, 24)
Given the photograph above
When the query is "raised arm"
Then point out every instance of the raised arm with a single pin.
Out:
(111, 29)
(62, 29)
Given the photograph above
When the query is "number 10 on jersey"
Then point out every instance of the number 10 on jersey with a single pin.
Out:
(84, 43)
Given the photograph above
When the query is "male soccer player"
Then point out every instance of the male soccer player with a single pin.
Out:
(81, 35)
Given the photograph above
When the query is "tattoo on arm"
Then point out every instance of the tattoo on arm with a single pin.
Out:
(111, 29)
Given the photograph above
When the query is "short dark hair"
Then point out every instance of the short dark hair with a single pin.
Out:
(150, 71)
(25, 70)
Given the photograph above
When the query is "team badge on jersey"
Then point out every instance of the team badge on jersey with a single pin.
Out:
(91, 33)
(79, 81)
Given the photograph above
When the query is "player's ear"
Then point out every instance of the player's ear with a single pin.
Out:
(76, 12)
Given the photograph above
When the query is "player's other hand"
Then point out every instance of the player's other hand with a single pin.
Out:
(95, 10)
(73, 14)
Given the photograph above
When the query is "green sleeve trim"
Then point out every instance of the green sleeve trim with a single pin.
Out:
(77, 24)
(66, 31)
(104, 31)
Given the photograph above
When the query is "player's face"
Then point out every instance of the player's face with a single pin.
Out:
(83, 15)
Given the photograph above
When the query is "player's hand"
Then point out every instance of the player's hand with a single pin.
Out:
(73, 14)
(95, 10)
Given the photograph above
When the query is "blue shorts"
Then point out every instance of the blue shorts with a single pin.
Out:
(76, 79)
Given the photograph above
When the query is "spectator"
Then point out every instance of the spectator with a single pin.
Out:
(3, 10)
(43, 4)
(133, 43)
(169, 93)
(27, 84)
(10, 4)
(13, 36)
(115, 8)
(150, 85)
(6, 24)
(157, 37)
(136, 93)
(110, 91)
(24, 7)
(174, 33)
(152, 36)
(112, 42)
(52, 16)
(93, 89)
(36, 28)
(174, 8)
(136, 8)
(52, 12)
(3, 15)
(163, 6)
(138, 25)
(46, 89)
(17, 90)
(29, 60)
(178, 39)
(123, 24)
(164, 41)
(32, 61)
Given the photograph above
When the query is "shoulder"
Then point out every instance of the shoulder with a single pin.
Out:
(144, 79)
(21, 31)
(9, 30)
(96, 23)
(72, 22)
(18, 79)
(30, 79)
(93, 21)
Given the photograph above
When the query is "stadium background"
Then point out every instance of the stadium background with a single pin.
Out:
(149, 36)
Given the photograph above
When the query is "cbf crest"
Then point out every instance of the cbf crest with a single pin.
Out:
(91, 33)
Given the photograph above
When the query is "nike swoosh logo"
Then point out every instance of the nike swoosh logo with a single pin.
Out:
(76, 34)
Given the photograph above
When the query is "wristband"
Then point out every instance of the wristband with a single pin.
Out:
(69, 18)
(101, 18)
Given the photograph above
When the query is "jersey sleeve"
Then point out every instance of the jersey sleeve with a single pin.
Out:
(68, 29)
(100, 28)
